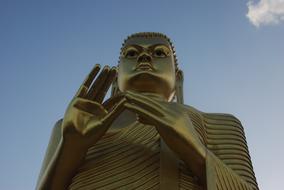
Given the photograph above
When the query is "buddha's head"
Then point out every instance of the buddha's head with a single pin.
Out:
(148, 64)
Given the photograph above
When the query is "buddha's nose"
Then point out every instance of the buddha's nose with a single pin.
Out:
(144, 57)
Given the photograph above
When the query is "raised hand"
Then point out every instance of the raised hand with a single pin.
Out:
(86, 119)
(174, 126)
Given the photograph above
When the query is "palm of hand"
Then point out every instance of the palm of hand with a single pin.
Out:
(86, 118)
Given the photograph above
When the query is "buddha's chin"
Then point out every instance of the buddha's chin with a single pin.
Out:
(148, 82)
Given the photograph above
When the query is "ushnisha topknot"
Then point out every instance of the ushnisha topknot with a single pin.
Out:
(151, 35)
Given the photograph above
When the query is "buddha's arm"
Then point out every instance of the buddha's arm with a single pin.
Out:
(175, 128)
(85, 121)
(216, 151)
(61, 161)
(228, 163)
(52, 146)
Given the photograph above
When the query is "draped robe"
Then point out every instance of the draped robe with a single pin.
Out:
(135, 157)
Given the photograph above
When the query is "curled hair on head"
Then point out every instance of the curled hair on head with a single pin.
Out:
(152, 35)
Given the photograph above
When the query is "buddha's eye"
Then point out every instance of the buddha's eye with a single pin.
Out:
(131, 54)
(160, 53)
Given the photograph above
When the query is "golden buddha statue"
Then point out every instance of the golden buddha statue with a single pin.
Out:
(143, 136)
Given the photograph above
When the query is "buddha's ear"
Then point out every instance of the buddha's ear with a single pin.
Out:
(179, 86)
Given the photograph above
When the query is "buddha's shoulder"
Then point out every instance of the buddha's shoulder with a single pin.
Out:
(212, 118)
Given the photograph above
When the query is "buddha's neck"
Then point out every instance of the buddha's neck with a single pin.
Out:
(155, 96)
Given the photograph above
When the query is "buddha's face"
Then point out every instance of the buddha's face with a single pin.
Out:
(147, 65)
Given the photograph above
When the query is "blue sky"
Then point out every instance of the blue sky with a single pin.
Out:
(231, 65)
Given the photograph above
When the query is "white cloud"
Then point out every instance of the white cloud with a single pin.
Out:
(265, 12)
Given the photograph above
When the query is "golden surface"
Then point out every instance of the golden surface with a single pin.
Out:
(144, 137)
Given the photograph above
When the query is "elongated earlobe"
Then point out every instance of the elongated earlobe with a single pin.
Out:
(179, 86)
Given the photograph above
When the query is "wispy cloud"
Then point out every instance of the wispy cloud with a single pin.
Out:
(265, 12)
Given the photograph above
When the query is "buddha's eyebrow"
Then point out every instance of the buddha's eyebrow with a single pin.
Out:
(135, 46)
(151, 47)
(155, 45)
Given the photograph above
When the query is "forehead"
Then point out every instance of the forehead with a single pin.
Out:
(146, 41)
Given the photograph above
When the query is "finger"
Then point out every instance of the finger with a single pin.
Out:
(88, 81)
(112, 115)
(145, 104)
(89, 106)
(102, 92)
(81, 91)
(94, 89)
(154, 119)
(108, 104)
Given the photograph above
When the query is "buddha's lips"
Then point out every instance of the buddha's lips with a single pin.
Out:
(144, 67)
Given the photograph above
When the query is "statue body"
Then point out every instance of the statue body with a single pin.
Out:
(141, 138)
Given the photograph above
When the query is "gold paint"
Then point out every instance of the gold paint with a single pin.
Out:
(144, 137)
